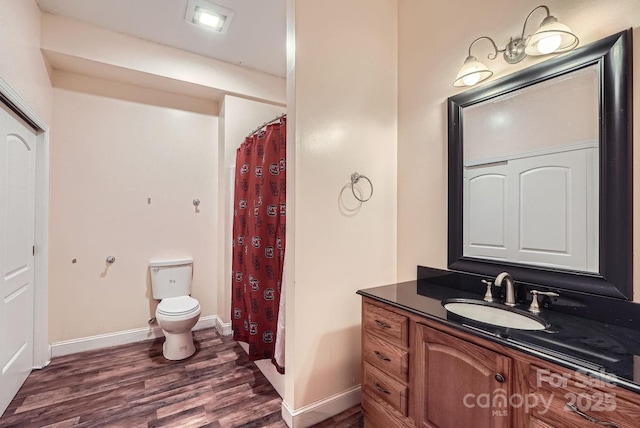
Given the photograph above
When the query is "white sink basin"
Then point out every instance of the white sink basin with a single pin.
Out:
(494, 314)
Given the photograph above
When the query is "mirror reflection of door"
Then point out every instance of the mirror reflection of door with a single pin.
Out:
(531, 174)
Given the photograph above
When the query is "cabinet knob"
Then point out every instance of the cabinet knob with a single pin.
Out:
(499, 377)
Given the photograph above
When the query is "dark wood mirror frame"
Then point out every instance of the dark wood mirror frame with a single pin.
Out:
(614, 279)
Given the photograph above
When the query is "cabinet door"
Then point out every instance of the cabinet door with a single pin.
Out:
(459, 384)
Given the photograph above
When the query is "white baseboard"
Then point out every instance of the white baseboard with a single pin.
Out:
(321, 410)
(223, 329)
(82, 344)
(269, 371)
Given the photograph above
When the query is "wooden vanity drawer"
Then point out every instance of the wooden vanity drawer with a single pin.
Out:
(378, 414)
(392, 391)
(552, 391)
(386, 324)
(385, 356)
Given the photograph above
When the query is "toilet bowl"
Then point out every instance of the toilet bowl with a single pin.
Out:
(178, 312)
(176, 316)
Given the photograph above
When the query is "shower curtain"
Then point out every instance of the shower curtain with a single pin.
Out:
(259, 216)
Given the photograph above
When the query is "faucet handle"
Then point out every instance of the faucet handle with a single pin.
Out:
(535, 307)
(487, 296)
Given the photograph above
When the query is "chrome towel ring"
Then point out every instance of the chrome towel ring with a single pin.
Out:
(355, 177)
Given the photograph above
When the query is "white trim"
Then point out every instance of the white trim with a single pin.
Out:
(18, 102)
(223, 328)
(41, 348)
(268, 369)
(82, 344)
(320, 410)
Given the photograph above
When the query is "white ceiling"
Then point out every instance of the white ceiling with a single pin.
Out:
(256, 37)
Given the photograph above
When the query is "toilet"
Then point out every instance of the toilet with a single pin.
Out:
(177, 312)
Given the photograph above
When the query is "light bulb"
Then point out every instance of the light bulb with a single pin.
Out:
(208, 19)
(549, 44)
(471, 73)
(471, 79)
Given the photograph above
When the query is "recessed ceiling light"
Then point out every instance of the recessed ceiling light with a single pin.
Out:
(208, 16)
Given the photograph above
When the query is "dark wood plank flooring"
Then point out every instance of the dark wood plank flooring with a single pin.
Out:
(134, 386)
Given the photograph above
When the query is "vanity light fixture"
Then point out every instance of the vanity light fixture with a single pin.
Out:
(208, 16)
(551, 37)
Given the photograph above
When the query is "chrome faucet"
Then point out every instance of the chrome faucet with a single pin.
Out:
(510, 298)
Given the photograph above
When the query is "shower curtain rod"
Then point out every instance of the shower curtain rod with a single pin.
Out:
(266, 123)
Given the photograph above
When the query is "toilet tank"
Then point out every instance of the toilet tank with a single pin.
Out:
(171, 278)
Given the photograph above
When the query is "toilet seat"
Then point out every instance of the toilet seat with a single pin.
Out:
(178, 306)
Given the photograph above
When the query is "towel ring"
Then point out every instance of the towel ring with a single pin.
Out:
(355, 177)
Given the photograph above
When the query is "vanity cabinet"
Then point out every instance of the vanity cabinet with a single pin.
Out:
(422, 373)
(385, 367)
(459, 384)
(570, 399)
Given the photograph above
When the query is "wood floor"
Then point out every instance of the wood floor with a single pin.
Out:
(134, 386)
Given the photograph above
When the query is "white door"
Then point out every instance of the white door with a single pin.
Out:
(17, 203)
(549, 195)
(485, 214)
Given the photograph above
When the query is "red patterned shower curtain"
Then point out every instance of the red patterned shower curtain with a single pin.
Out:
(259, 240)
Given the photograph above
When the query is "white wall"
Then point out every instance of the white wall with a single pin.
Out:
(82, 48)
(344, 93)
(433, 43)
(109, 154)
(21, 63)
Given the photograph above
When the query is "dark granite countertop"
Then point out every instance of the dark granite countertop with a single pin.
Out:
(606, 351)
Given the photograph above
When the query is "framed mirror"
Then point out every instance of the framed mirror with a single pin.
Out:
(540, 173)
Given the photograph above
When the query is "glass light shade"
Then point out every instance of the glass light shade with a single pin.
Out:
(472, 72)
(551, 37)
